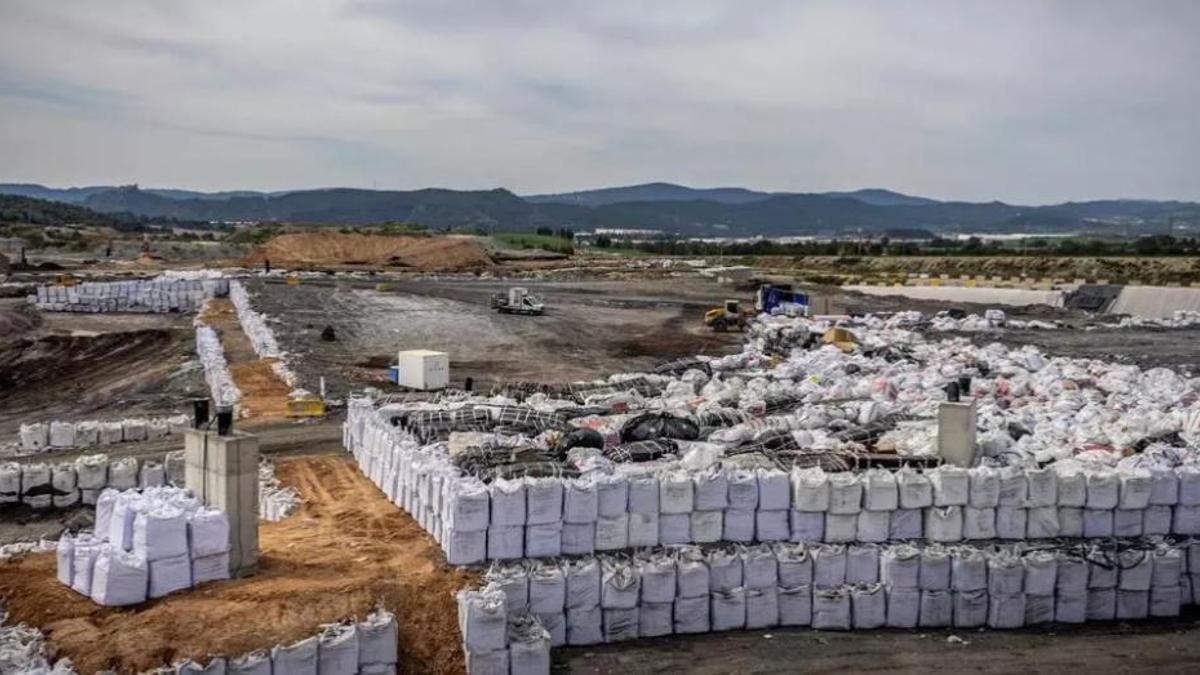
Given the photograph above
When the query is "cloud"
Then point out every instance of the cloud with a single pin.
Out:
(1025, 101)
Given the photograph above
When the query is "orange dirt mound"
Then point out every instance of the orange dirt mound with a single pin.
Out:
(428, 254)
(346, 550)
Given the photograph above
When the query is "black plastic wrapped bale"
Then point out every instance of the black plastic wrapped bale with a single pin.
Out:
(640, 451)
(651, 426)
(541, 469)
(681, 366)
(781, 404)
(528, 419)
(430, 425)
(582, 438)
(721, 417)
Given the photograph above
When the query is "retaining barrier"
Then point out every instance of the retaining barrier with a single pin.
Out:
(43, 436)
(141, 296)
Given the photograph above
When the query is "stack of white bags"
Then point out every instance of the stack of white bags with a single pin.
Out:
(146, 544)
(43, 436)
(142, 295)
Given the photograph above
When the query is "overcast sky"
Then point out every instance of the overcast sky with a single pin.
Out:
(1027, 102)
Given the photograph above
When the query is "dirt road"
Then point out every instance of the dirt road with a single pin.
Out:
(345, 551)
(1161, 646)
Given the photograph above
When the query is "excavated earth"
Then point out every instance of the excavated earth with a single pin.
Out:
(345, 551)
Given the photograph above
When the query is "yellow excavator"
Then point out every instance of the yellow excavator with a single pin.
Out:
(731, 315)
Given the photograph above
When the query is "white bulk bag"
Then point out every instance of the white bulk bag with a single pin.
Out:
(710, 490)
(507, 502)
(935, 569)
(1011, 522)
(468, 505)
(482, 619)
(674, 528)
(879, 490)
(34, 437)
(62, 434)
(729, 609)
(1006, 611)
(1186, 520)
(900, 566)
(1136, 569)
(1103, 489)
(906, 524)
(1189, 484)
(845, 494)
(937, 609)
(580, 501)
(807, 525)
(841, 527)
(951, 485)
(111, 432)
(644, 495)
(119, 578)
(1102, 604)
(160, 532)
(655, 619)
(692, 574)
(1072, 573)
(210, 568)
(479, 663)
(916, 491)
(743, 490)
(207, 531)
(1041, 572)
(979, 523)
(337, 650)
(582, 578)
(152, 475)
(528, 647)
(120, 522)
(620, 624)
(123, 474)
(547, 588)
(810, 490)
(970, 608)
(555, 626)
(612, 533)
(1038, 609)
(578, 538)
(133, 430)
(706, 526)
(513, 581)
(65, 558)
(795, 565)
(774, 490)
(760, 567)
(869, 606)
(298, 658)
(543, 541)
(1043, 487)
(762, 607)
(1042, 522)
(831, 609)
(1156, 520)
(585, 626)
(643, 529)
(1070, 606)
(1097, 523)
(725, 569)
(1165, 600)
(87, 434)
(657, 571)
(873, 526)
(1070, 521)
(620, 585)
(1014, 487)
(1127, 522)
(675, 493)
(968, 570)
(1164, 486)
(985, 487)
(1072, 484)
(216, 666)
(543, 498)
(83, 559)
(903, 607)
(91, 472)
(1167, 566)
(692, 615)
(612, 496)
(829, 565)
(738, 524)
(795, 605)
(1006, 576)
(1135, 487)
(944, 523)
(1133, 604)
(168, 575)
(862, 564)
(10, 483)
(36, 490)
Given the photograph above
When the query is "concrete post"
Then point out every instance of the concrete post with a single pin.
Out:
(956, 432)
(222, 471)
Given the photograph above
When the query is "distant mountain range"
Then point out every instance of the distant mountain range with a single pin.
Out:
(712, 212)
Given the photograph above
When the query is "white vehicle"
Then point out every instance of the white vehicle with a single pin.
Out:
(518, 301)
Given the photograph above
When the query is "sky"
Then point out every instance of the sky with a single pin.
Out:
(1022, 101)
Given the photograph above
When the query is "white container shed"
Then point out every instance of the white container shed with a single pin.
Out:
(423, 369)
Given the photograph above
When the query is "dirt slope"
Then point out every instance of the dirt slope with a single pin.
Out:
(315, 249)
(346, 550)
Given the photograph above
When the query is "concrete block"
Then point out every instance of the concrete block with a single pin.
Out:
(223, 472)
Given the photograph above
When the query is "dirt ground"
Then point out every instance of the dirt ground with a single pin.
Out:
(590, 329)
(316, 249)
(1158, 646)
(264, 395)
(346, 550)
(93, 366)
